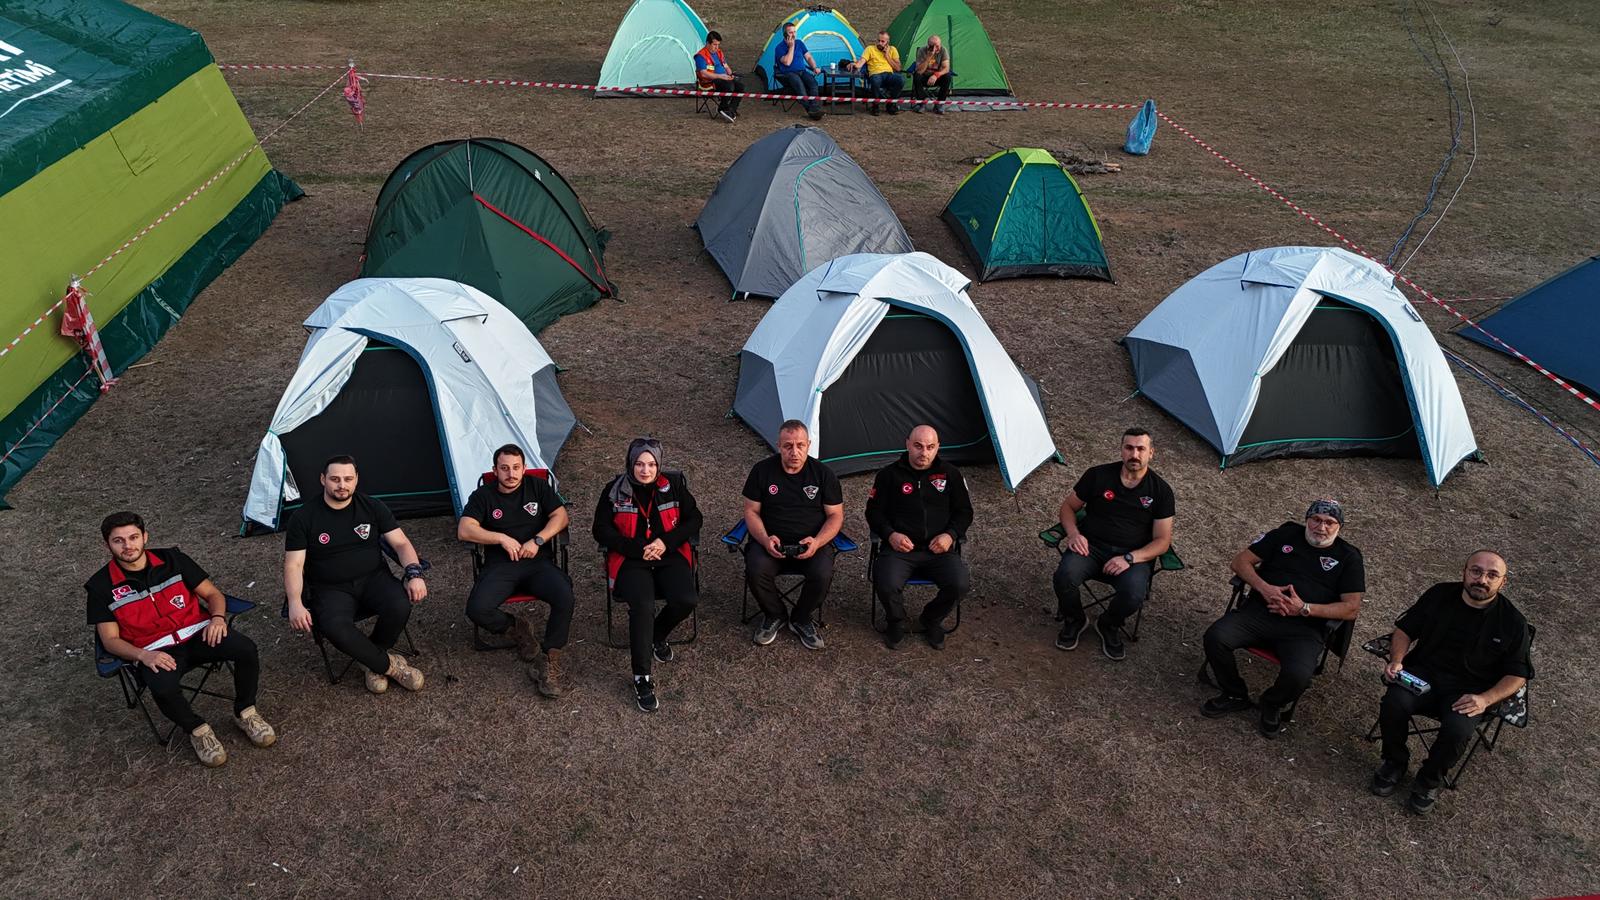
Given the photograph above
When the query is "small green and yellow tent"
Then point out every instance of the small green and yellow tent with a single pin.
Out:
(1020, 213)
(110, 117)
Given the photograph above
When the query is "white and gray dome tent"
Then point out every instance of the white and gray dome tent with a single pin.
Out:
(1302, 351)
(420, 379)
(867, 346)
(791, 202)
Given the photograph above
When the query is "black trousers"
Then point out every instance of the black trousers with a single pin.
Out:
(761, 571)
(538, 576)
(638, 585)
(948, 571)
(729, 104)
(1455, 729)
(1131, 588)
(1295, 641)
(335, 609)
(166, 688)
(919, 86)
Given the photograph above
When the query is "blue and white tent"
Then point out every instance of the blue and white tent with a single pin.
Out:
(867, 346)
(1302, 351)
(827, 34)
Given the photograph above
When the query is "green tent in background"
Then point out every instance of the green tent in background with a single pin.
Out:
(1020, 213)
(972, 56)
(109, 117)
(491, 214)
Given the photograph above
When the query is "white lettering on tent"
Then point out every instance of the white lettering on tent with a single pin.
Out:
(7, 51)
(16, 79)
(29, 74)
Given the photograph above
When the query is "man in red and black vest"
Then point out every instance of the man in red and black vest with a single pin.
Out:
(713, 73)
(148, 607)
(919, 507)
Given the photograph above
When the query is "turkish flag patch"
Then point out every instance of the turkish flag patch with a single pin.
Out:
(1110, 495)
(906, 488)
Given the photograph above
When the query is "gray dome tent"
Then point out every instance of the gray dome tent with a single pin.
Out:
(791, 202)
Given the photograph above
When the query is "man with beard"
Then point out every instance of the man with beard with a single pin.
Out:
(1471, 648)
(919, 507)
(333, 568)
(1126, 527)
(1304, 579)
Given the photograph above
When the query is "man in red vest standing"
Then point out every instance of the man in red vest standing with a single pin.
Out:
(149, 606)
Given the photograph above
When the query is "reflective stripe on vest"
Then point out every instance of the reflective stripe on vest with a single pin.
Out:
(183, 634)
(118, 604)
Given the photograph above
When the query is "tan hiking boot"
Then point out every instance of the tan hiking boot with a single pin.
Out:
(376, 683)
(256, 728)
(550, 681)
(527, 641)
(208, 747)
(403, 674)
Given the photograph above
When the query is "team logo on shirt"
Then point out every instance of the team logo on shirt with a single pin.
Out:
(531, 508)
(1110, 495)
(811, 491)
(179, 601)
(1328, 563)
(939, 483)
(323, 538)
(120, 591)
(1288, 549)
(363, 530)
(495, 514)
(772, 489)
(1146, 501)
(906, 488)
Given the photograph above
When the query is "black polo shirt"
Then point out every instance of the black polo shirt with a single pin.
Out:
(1121, 517)
(1467, 646)
(791, 505)
(1319, 574)
(342, 545)
(520, 514)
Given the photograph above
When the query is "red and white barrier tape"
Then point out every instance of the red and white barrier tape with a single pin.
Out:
(1357, 248)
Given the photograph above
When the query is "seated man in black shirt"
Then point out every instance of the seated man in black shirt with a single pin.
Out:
(1472, 648)
(1304, 580)
(919, 507)
(1127, 526)
(793, 508)
(514, 518)
(148, 607)
(333, 567)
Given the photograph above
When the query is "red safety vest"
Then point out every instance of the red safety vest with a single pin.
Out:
(626, 516)
(702, 61)
(163, 614)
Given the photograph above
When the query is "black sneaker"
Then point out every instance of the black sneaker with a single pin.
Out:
(767, 629)
(938, 109)
(645, 687)
(807, 632)
(727, 116)
(816, 115)
(663, 651)
(934, 634)
(1387, 778)
(1271, 722)
(1110, 641)
(1422, 799)
(894, 108)
(1222, 704)
(1070, 630)
(873, 107)
(893, 635)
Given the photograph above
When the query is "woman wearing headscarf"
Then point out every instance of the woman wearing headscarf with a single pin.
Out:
(647, 520)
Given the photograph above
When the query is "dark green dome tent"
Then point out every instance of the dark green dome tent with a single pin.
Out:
(1020, 213)
(491, 214)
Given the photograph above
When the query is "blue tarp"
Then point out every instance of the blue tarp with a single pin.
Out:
(1556, 324)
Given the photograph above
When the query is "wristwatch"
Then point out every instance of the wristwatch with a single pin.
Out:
(1305, 608)
(1127, 558)
(538, 541)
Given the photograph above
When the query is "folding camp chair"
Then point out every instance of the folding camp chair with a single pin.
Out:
(1511, 711)
(561, 542)
(705, 100)
(783, 98)
(736, 537)
(875, 600)
(1055, 537)
(132, 682)
(322, 647)
(611, 603)
(1336, 643)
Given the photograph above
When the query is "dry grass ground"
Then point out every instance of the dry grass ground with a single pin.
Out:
(1000, 767)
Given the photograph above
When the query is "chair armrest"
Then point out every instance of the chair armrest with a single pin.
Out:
(1379, 646)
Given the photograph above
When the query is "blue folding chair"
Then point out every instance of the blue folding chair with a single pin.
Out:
(872, 583)
(132, 682)
(735, 539)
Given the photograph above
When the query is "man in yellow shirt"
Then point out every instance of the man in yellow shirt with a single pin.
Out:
(879, 65)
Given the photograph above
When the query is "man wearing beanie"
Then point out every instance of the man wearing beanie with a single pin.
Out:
(1303, 580)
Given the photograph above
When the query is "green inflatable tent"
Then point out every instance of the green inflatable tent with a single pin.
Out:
(110, 118)
(972, 57)
(1020, 213)
(491, 214)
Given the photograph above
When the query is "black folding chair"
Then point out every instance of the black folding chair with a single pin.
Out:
(1055, 537)
(322, 644)
(132, 681)
(611, 603)
(876, 601)
(785, 98)
(1511, 711)
(736, 537)
(561, 542)
(705, 99)
(1335, 643)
